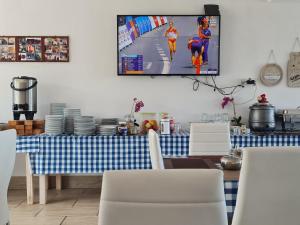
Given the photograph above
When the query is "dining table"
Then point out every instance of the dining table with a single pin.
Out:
(70, 154)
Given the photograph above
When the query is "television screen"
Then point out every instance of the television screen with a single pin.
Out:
(168, 45)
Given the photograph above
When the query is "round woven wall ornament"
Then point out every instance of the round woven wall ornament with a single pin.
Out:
(271, 74)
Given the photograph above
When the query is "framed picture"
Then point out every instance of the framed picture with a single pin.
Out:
(29, 49)
(7, 49)
(34, 49)
(56, 49)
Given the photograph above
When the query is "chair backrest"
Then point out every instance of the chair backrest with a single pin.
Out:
(209, 139)
(268, 192)
(155, 150)
(163, 197)
(7, 162)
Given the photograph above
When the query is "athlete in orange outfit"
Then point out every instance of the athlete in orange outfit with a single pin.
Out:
(195, 44)
(172, 35)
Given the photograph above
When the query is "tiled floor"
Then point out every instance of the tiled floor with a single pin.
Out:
(70, 206)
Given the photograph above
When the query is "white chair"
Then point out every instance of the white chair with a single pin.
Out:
(269, 187)
(155, 150)
(209, 139)
(7, 162)
(163, 197)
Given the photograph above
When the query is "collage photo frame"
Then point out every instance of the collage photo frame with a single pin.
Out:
(34, 49)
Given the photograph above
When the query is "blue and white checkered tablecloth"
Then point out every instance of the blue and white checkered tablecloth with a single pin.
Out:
(230, 189)
(28, 144)
(95, 154)
(31, 144)
(265, 140)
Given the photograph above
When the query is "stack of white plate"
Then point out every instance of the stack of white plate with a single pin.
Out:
(106, 129)
(110, 121)
(70, 114)
(84, 125)
(54, 124)
(57, 108)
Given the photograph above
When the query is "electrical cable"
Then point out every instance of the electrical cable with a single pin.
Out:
(221, 90)
(252, 98)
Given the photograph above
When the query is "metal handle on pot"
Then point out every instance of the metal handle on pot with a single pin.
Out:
(23, 89)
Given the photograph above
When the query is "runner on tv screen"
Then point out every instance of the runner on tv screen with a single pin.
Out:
(168, 45)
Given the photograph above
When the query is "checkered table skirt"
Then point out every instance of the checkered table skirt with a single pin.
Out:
(28, 144)
(95, 154)
(265, 140)
(230, 189)
(31, 144)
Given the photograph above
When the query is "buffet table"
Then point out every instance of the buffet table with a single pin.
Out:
(57, 155)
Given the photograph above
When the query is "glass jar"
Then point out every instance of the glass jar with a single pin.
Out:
(165, 128)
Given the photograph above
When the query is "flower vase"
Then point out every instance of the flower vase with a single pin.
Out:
(132, 129)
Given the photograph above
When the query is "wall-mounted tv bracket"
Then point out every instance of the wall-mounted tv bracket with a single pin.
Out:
(211, 10)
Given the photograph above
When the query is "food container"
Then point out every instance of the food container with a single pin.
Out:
(262, 117)
(148, 121)
(122, 129)
(165, 128)
(231, 162)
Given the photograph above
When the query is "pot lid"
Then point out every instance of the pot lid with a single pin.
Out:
(24, 78)
(262, 106)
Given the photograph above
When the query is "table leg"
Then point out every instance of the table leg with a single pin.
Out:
(43, 183)
(58, 182)
(29, 181)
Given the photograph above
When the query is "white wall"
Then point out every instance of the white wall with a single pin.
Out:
(250, 29)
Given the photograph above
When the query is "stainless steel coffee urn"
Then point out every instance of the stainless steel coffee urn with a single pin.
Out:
(24, 90)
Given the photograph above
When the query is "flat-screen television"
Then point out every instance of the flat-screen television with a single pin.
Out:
(168, 45)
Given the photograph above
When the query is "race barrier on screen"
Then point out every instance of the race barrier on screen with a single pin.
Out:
(137, 27)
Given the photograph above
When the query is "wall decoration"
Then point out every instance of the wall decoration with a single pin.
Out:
(30, 49)
(56, 49)
(34, 49)
(293, 71)
(271, 74)
(293, 68)
(7, 49)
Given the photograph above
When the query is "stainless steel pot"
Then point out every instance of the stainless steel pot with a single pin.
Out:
(262, 117)
(24, 97)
